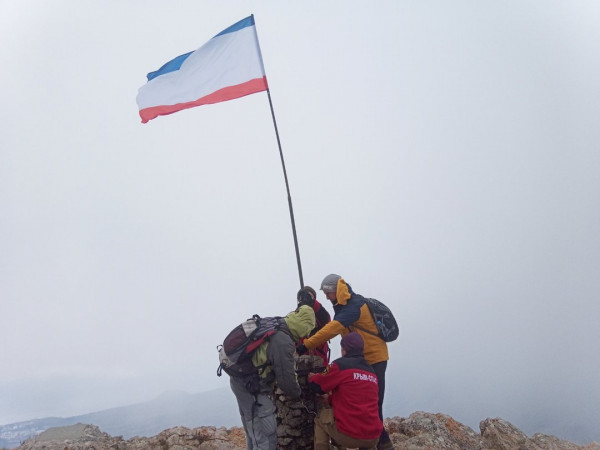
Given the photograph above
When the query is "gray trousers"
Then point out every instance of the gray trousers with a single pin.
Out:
(258, 417)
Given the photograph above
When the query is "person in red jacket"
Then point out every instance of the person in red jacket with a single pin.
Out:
(352, 314)
(353, 419)
(308, 296)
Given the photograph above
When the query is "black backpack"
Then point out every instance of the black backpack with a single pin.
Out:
(235, 355)
(385, 321)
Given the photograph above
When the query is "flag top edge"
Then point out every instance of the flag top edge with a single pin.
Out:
(246, 22)
(175, 63)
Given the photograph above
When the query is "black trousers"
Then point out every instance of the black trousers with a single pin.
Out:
(379, 369)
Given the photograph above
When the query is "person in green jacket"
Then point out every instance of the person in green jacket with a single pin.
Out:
(276, 359)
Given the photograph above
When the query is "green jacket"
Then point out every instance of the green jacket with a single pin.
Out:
(277, 354)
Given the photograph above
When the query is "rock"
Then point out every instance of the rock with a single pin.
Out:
(295, 416)
(499, 434)
(420, 430)
(425, 430)
(178, 438)
(553, 443)
(77, 432)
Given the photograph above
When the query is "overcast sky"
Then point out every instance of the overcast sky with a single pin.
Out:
(443, 157)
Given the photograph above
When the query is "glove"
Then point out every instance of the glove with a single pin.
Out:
(301, 349)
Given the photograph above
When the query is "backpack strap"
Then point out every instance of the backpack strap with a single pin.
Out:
(367, 331)
(373, 319)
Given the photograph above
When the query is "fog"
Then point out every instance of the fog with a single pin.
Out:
(442, 157)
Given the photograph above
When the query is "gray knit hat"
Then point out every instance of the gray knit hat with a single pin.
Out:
(329, 283)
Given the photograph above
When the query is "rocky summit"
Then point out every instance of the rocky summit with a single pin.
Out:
(419, 431)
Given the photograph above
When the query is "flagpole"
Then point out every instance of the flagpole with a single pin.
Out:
(287, 186)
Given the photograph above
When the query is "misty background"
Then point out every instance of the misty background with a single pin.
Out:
(443, 157)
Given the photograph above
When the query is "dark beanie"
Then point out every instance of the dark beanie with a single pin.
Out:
(353, 344)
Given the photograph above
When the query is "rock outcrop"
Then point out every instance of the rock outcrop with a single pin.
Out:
(90, 437)
(419, 431)
(295, 417)
(438, 431)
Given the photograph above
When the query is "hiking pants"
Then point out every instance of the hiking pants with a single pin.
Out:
(379, 369)
(258, 416)
(325, 430)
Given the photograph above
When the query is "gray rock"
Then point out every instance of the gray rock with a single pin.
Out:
(420, 430)
(425, 430)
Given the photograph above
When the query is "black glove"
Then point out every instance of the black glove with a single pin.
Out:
(301, 349)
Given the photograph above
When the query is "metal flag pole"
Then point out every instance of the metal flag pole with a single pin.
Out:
(287, 185)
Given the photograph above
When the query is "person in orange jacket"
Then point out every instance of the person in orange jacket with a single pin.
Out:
(352, 314)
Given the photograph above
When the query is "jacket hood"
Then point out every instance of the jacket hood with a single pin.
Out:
(300, 322)
(343, 292)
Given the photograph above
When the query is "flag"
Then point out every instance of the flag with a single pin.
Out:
(227, 67)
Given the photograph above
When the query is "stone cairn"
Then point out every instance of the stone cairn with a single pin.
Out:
(295, 418)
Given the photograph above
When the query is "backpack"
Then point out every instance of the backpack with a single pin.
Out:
(235, 355)
(385, 321)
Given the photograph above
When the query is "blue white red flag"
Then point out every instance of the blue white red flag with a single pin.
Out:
(227, 67)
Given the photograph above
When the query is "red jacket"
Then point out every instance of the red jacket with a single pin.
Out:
(322, 318)
(354, 396)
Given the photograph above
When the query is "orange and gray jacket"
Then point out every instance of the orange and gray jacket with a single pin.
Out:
(351, 314)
